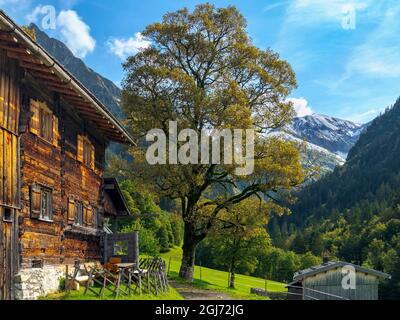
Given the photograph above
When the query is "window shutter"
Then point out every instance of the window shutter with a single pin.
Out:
(92, 158)
(95, 213)
(55, 131)
(89, 217)
(35, 194)
(71, 210)
(35, 118)
(80, 149)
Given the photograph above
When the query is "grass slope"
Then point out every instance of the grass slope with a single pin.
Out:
(211, 279)
(217, 280)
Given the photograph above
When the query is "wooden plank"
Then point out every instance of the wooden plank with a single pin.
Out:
(14, 171)
(2, 201)
(2, 266)
(6, 94)
(7, 47)
(7, 37)
(2, 87)
(18, 108)
(45, 70)
(23, 57)
(8, 120)
(9, 168)
(45, 76)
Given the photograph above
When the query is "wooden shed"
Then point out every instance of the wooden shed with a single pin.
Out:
(332, 281)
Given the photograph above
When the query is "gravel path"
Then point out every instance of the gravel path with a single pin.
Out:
(188, 292)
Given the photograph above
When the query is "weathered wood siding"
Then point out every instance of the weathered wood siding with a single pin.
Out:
(330, 282)
(55, 166)
(9, 173)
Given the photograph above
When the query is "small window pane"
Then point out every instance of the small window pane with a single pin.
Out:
(79, 214)
(46, 210)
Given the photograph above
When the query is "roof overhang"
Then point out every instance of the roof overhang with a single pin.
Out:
(46, 69)
(111, 187)
(300, 275)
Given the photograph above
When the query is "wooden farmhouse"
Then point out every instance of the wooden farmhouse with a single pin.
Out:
(53, 137)
(331, 281)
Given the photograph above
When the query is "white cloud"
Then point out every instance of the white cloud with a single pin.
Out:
(124, 48)
(314, 12)
(379, 55)
(301, 106)
(366, 116)
(34, 15)
(75, 33)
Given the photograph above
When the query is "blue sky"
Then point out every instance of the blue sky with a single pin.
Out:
(346, 53)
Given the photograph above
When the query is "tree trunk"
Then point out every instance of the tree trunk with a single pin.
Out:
(232, 280)
(189, 251)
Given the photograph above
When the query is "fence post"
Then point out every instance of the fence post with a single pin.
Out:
(169, 265)
(66, 279)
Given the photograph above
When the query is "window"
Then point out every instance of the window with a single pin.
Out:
(121, 248)
(43, 123)
(86, 152)
(79, 213)
(46, 206)
(46, 125)
(41, 203)
(7, 215)
(95, 218)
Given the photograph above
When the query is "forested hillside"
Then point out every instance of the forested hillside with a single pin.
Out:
(353, 214)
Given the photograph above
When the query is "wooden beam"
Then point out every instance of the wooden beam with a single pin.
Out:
(26, 58)
(7, 37)
(80, 100)
(57, 84)
(28, 65)
(15, 49)
(64, 91)
(46, 76)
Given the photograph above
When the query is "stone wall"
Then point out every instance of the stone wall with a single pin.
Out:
(32, 283)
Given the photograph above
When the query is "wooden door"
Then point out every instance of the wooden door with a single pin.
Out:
(7, 253)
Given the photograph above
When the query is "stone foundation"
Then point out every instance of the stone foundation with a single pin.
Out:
(32, 283)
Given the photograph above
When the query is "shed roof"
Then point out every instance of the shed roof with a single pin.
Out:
(47, 70)
(300, 275)
(111, 187)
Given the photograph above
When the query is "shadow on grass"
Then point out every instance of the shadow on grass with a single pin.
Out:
(172, 294)
(201, 284)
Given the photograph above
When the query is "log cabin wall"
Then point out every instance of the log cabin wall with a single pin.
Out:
(9, 173)
(57, 166)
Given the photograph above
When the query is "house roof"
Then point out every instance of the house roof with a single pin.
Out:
(46, 69)
(111, 187)
(300, 275)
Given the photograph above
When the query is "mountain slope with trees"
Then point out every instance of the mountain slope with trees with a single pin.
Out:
(104, 89)
(353, 214)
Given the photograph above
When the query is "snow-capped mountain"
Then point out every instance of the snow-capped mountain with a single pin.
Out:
(328, 139)
(336, 135)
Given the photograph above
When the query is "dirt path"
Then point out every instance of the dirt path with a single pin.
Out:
(190, 293)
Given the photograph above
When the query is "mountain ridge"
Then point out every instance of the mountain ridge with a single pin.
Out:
(104, 89)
